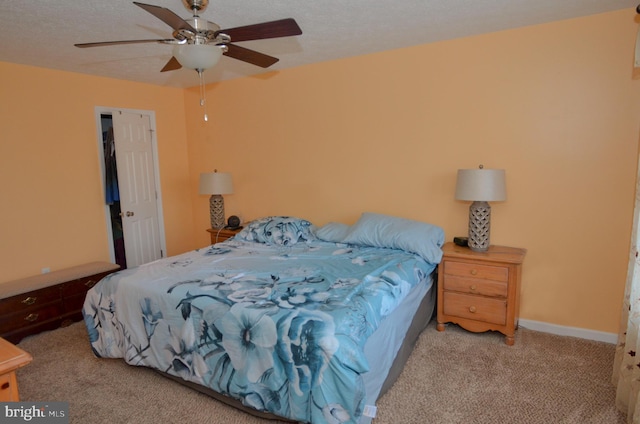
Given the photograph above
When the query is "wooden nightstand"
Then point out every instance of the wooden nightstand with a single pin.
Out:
(11, 358)
(222, 234)
(480, 291)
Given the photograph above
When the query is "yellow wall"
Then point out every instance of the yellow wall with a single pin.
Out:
(52, 212)
(555, 105)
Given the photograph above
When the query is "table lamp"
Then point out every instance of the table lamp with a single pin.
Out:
(216, 184)
(480, 186)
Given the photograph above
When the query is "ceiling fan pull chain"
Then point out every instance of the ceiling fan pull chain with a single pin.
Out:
(203, 99)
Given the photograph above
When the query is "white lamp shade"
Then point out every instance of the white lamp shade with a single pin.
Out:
(216, 183)
(483, 185)
(197, 56)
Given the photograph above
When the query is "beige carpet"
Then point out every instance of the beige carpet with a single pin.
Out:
(451, 377)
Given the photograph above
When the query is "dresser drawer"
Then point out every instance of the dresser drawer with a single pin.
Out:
(476, 286)
(74, 303)
(32, 317)
(471, 270)
(82, 285)
(29, 301)
(475, 307)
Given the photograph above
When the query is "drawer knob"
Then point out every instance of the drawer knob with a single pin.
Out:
(4, 386)
(472, 309)
(473, 287)
(31, 317)
(30, 300)
(474, 272)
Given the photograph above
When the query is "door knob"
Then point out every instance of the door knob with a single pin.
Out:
(129, 213)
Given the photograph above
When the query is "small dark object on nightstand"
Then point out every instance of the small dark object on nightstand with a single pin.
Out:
(461, 241)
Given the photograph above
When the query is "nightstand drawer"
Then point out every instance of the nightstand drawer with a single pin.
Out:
(476, 286)
(471, 270)
(8, 388)
(475, 307)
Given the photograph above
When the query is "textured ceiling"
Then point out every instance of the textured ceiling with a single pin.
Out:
(42, 33)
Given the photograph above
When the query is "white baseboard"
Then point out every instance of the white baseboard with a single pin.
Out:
(561, 330)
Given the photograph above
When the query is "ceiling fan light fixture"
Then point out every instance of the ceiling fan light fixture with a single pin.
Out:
(197, 56)
(195, 5)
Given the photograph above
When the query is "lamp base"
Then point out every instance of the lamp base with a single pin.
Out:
(216, 207)
(479, 226)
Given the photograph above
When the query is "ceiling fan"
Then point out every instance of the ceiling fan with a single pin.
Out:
(198, 43)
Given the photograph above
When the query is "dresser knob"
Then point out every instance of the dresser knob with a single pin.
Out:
(473, 287)
(30, 300)
(31, 317)
(472, 309)
(474, 272)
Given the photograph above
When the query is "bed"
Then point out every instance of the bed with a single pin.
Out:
(285, 320)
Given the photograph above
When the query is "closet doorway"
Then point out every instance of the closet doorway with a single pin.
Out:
(133, 206)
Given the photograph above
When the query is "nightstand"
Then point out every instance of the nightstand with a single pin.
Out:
(11, 358)
(480, 291)
(222, 234)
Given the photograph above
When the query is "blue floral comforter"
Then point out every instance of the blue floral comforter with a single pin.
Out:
(280, 328)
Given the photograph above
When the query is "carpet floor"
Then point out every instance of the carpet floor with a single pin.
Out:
(451, 377)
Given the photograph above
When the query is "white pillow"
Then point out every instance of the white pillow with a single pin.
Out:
(417, 237)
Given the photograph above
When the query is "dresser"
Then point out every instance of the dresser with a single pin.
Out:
(480, 291)
(222, 234)
(11, 358)
(47, 301)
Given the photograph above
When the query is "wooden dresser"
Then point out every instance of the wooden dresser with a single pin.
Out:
(11, 358)
(480, 291)
(222, 234)
(48, 301)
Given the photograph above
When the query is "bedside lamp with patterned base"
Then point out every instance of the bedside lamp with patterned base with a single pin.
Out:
(480, 186)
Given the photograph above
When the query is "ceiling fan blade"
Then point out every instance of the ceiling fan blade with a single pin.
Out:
(167, 16)
(274, 29)
(112, 43)
(171, 65)
(250, 56)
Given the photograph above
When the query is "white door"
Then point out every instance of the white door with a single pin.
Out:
(138, 195)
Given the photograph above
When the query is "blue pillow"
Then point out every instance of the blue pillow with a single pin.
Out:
(378, 230)
(333, 231)
(278, 230)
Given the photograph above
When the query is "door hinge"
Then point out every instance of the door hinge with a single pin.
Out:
(161, 253)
